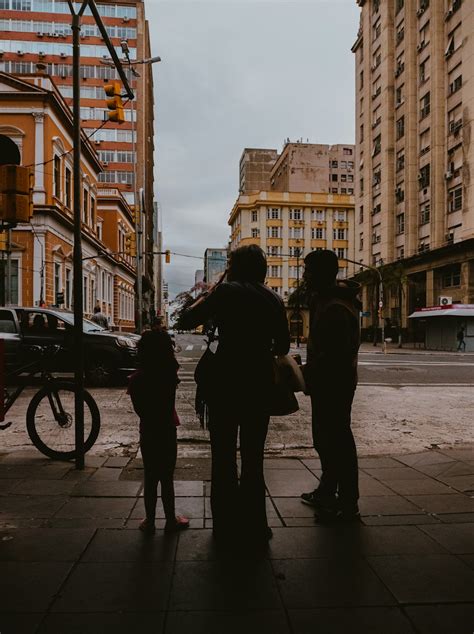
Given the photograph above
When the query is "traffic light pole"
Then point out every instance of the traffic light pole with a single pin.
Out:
(77, 287)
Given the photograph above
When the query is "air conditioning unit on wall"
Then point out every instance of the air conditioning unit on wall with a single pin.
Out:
(445, 301)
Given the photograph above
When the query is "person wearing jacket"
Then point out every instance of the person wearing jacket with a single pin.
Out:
(252, 325)
(331, 379)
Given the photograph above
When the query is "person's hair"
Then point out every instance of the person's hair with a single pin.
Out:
(322, 264)
(96, 309)
(155, 350)
(247, 264)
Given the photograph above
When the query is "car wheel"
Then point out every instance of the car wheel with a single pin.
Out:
(99, 373)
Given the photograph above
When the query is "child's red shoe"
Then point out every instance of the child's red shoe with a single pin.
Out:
(180, 524)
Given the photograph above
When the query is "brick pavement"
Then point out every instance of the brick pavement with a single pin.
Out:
(73, 561)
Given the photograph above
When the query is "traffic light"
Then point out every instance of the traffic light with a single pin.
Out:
(16, 194)
(167, 256)
(131, 244)
(115, 103)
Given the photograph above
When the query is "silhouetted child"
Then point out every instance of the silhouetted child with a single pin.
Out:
(152, 389)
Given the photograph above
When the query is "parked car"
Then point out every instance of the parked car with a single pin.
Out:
(108, 355)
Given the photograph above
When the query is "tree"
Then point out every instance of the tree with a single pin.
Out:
(395, 278)
(184, 300)
(369, 278)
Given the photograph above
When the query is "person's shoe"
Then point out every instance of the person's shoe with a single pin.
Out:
(348, 514)
(319, 500)
(180, 523)
(147, 527)
(340, 515)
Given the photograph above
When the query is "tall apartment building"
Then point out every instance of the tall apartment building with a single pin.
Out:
(39, 31)
(414, 154)
(301, 167)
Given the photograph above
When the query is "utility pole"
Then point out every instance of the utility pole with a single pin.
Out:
(77, 175)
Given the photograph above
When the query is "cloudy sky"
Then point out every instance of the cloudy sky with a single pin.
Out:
(236, 74)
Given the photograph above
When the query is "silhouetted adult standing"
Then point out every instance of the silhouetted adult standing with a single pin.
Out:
(99, 318)
(331, 378)
(252, 328)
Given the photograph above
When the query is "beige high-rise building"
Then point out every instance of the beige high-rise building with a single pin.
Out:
(414, 154)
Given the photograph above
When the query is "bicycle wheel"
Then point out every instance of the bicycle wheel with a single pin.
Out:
(50, 420)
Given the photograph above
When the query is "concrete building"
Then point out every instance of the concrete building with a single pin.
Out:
(301, 167)
(39, 31)
(215, 263)
(284, 224)
(34, 115)
(414, 155)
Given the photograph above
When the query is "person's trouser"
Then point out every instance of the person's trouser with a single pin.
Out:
(237, 505)
(462, 344)
(334, 442)
(159, 452)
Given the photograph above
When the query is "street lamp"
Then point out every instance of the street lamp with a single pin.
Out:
(137, 198)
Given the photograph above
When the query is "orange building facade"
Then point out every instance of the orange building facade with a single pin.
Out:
(35, 116)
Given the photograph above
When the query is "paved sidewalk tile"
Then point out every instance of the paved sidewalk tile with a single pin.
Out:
(132, 546)
(27, 586)
(425, 578)
(43, 487)
(254, 621)
(354, 620)
(289, 482)
(25, 506)
(107, 489)
(457, 538)
(422, 486)
(224, 585)
(100, 623)
(454, 503)
(19, 623)
(43, 544)
(116, 587)
(311, 583)
(442, 619)
(189, 507)
(96, 507)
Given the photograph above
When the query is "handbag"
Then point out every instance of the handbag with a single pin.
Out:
(287, 379)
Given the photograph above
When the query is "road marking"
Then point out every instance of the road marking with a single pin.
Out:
(203, 347)
(366, 384)
(189, 347)
(415, 363)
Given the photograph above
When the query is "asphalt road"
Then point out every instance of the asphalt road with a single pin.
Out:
(408, 368)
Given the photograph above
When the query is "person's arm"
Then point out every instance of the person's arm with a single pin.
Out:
(203, 310)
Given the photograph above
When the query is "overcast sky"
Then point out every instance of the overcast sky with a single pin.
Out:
(236, 74)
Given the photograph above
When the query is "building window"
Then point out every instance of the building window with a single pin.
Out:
(399, 6)
(68, 179)
(451, 276)
(455, 199)
(400, 65)
(296, 214)
(377, 177)
(399, 194)
(341, 253)
(400, 224)
(400, 160)
(273, 251)
(361, 133)
(361, 242)
(361, 214)
(424, 213)
(273, 232)
(361, 185)
(399, 96)
(455, 85)
(85, 206)
(57, 176)
(424, 71)
(377, 145)
(334, 164)
(274, 271)
(334, 178)
(377, 206)
(334, 190)
(317, 233)
(400, 127)
(318, 214)
(68, 293)
(424, 176)
(296, 233)
(254, 216)
(57, 282)
(376, 29)
(255, 233)
(425, 106)
(340, 234)
(400, 33)
(274, 213)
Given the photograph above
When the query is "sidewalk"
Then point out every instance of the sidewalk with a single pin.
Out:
(74, 562)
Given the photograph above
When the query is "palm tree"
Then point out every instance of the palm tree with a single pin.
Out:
(395, 279)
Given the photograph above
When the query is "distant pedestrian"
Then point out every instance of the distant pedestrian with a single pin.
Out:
(99, 318)
(331, 378)
(461, 341)
(152, 389)
(252, 327)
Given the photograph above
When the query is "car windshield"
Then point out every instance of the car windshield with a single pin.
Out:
(88, 326)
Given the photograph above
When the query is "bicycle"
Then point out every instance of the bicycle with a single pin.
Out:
(50, 414)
